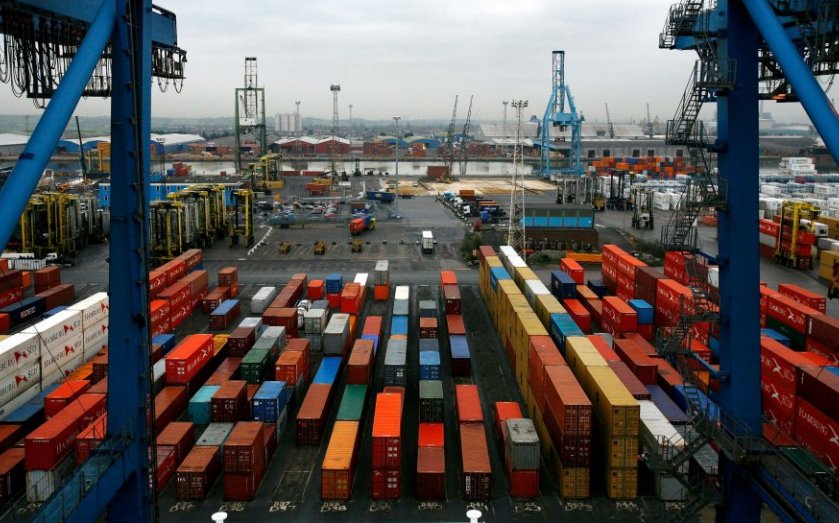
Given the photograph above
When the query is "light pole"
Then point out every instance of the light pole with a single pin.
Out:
(396, 135)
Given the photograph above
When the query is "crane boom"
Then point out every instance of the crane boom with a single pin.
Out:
(450, 139)
(464, 137)
(609, 123)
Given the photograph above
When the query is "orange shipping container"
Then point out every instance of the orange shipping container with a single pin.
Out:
(468, 404)
(387, 432)
(339, 462)
(542, 353)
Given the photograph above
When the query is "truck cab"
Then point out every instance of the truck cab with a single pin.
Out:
(427, 242)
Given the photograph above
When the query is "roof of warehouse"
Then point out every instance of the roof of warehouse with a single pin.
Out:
(167, 139)
(13, 139)
(311, 140)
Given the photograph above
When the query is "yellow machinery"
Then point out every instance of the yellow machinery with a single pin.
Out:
(284, 247)
(168, 234)
(206, 202)
(795, 243)
(269, 170)
(320, 247)
(240, 221)
(357, 245)
(57, 222)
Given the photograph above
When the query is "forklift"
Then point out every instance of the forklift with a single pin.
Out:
(617, 184)
(642, 208)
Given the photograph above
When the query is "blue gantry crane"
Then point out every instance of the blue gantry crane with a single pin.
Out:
(747, 50)
(56, 52)
(560, 116)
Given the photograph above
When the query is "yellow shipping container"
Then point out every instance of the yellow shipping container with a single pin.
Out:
(524, 273)
(827, 258)
(219, 341)
(493, 261)
(547, 304)
(621, 451)
(542, 431)
(507, 309)
(616, 410)
(527, 325)
(581, 353)
(622, 483)
(831, 222)
(571, 482)
(826, 272)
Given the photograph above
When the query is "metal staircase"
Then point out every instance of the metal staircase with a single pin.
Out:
(679, 22)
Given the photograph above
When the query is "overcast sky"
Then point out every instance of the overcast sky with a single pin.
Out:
(412, 58)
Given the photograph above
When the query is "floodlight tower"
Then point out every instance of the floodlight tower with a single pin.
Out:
(515, 228)
(335, 88)
(250, 112)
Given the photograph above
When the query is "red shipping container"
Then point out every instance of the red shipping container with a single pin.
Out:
(821, 388)
(476, 482)
(176, 294)
(566, 400)
(524, 483)
(670, 294)
(167, 463)
(455, 325)
(49, 443)
(169, 404)
(241, 340)
(160, 311)
(803, 296)
(619, 314)
(360, 363)
(431, 473)
(817, 432)
(227, 276)
(484, 251)
(578, 313)
(230, 402)
(63, 395)
(595, 308)
(641, 365)
(198, 282)
(372, 326)
(381, 292)
(825, 351)
(48, 277)
(241, 486)
(781, 366)
(433, 434)
(61, 294)
(451, 299)
(791, 313)
(573, 269)
(213, 299)
(387, 432)
(291, 366)
(196, 475)
(609, 271)
(192, 258)
(428, 328)
(574, 450)
(825, 330)
(386, 484)
(611, 253)
(603, 347)
(188, 357)
(628, 265)
(157, 282)
(468, 403)
(244, 448)
(448, 278)
(311, 418)
(226, 371)
(90, 437)
(503, 411)
(5, 322)
(180, 436)
(283, 317)
(316, 289)
(334, 300)
(12, 474)
(220, 322)
(10, 435)
(674, 266)
(646, 283)
(647, 331)
(542, 353)
(778, 408)
(668, 377)
(351, 298)
(638, 390)
(298, 344)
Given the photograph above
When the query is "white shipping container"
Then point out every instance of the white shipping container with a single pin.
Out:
(402, 292)
(27, 264)
(21, 398)
(53, 357)
(94, 308)
(262, 299)
(13, 385)
(40, 484)
(533, 288)
(17, 351)
(253, 322)
(52, 331)
(505, 251)
(361, 278)
(276, 332)
(314, 321)
(381, 275)
(159, 370)
(95, 339)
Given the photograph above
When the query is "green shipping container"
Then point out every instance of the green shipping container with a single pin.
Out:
(255, 365)
(352, 403)
(431, 401)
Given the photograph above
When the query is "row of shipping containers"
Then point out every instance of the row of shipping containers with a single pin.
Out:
(49, 297)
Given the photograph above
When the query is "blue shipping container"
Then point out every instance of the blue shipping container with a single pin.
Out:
(328, 371)
(56, 310)
(30, 414)
(334, 282)
(667, 406)
(563, 285)
(645, 311)
(167, 341)
(562, 326)
(460, 347)
(269, 401)
(224, 308)
(429, 365)
(775, 335)
(375, 340)
(25, 309)
(498, 273)
(399, 325)
(200, 405)
(598, 287)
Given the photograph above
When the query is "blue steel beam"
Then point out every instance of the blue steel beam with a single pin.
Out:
(164, 24)
(30, 165)
(739, 355)
(798, 74)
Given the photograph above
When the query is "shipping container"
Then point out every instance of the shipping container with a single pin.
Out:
(431, 474)
(230, 402)
(431, 401)
(455, 326)
(311, 418)
(468, 404)
(644, 368)
(521, 444)
(395, 362)
(262, 299)
(269, 401)
(360, 364)
(244, 449)
(338, 465)
(461, 356)
(451, 299)
(256, 365)
(561, 327)
(12, 474)
(431, 435)
(567, 401)
(169, 404)
(328, 371)
(387, 432)
(200, 405)
(180, 436)
(336, 335)
(292, 367)
(635, 387)
(429, 365)
(614, 406)
(188, 357)
(476, 482)
(197, 473)
(352, 403)
(48, 444)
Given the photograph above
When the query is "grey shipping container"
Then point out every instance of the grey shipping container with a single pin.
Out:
(315, 342)
(254, 322)
(522, 444)
(428, 309)
(395, 359)
(215, 435)
(335, 334)
(262, 299)
(431, 401)
(401, 307)
(381, 274)
(314, 321)
(429, 344)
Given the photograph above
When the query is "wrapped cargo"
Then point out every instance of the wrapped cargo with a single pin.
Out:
(431, 401)
(338, 465)
(395, 362)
